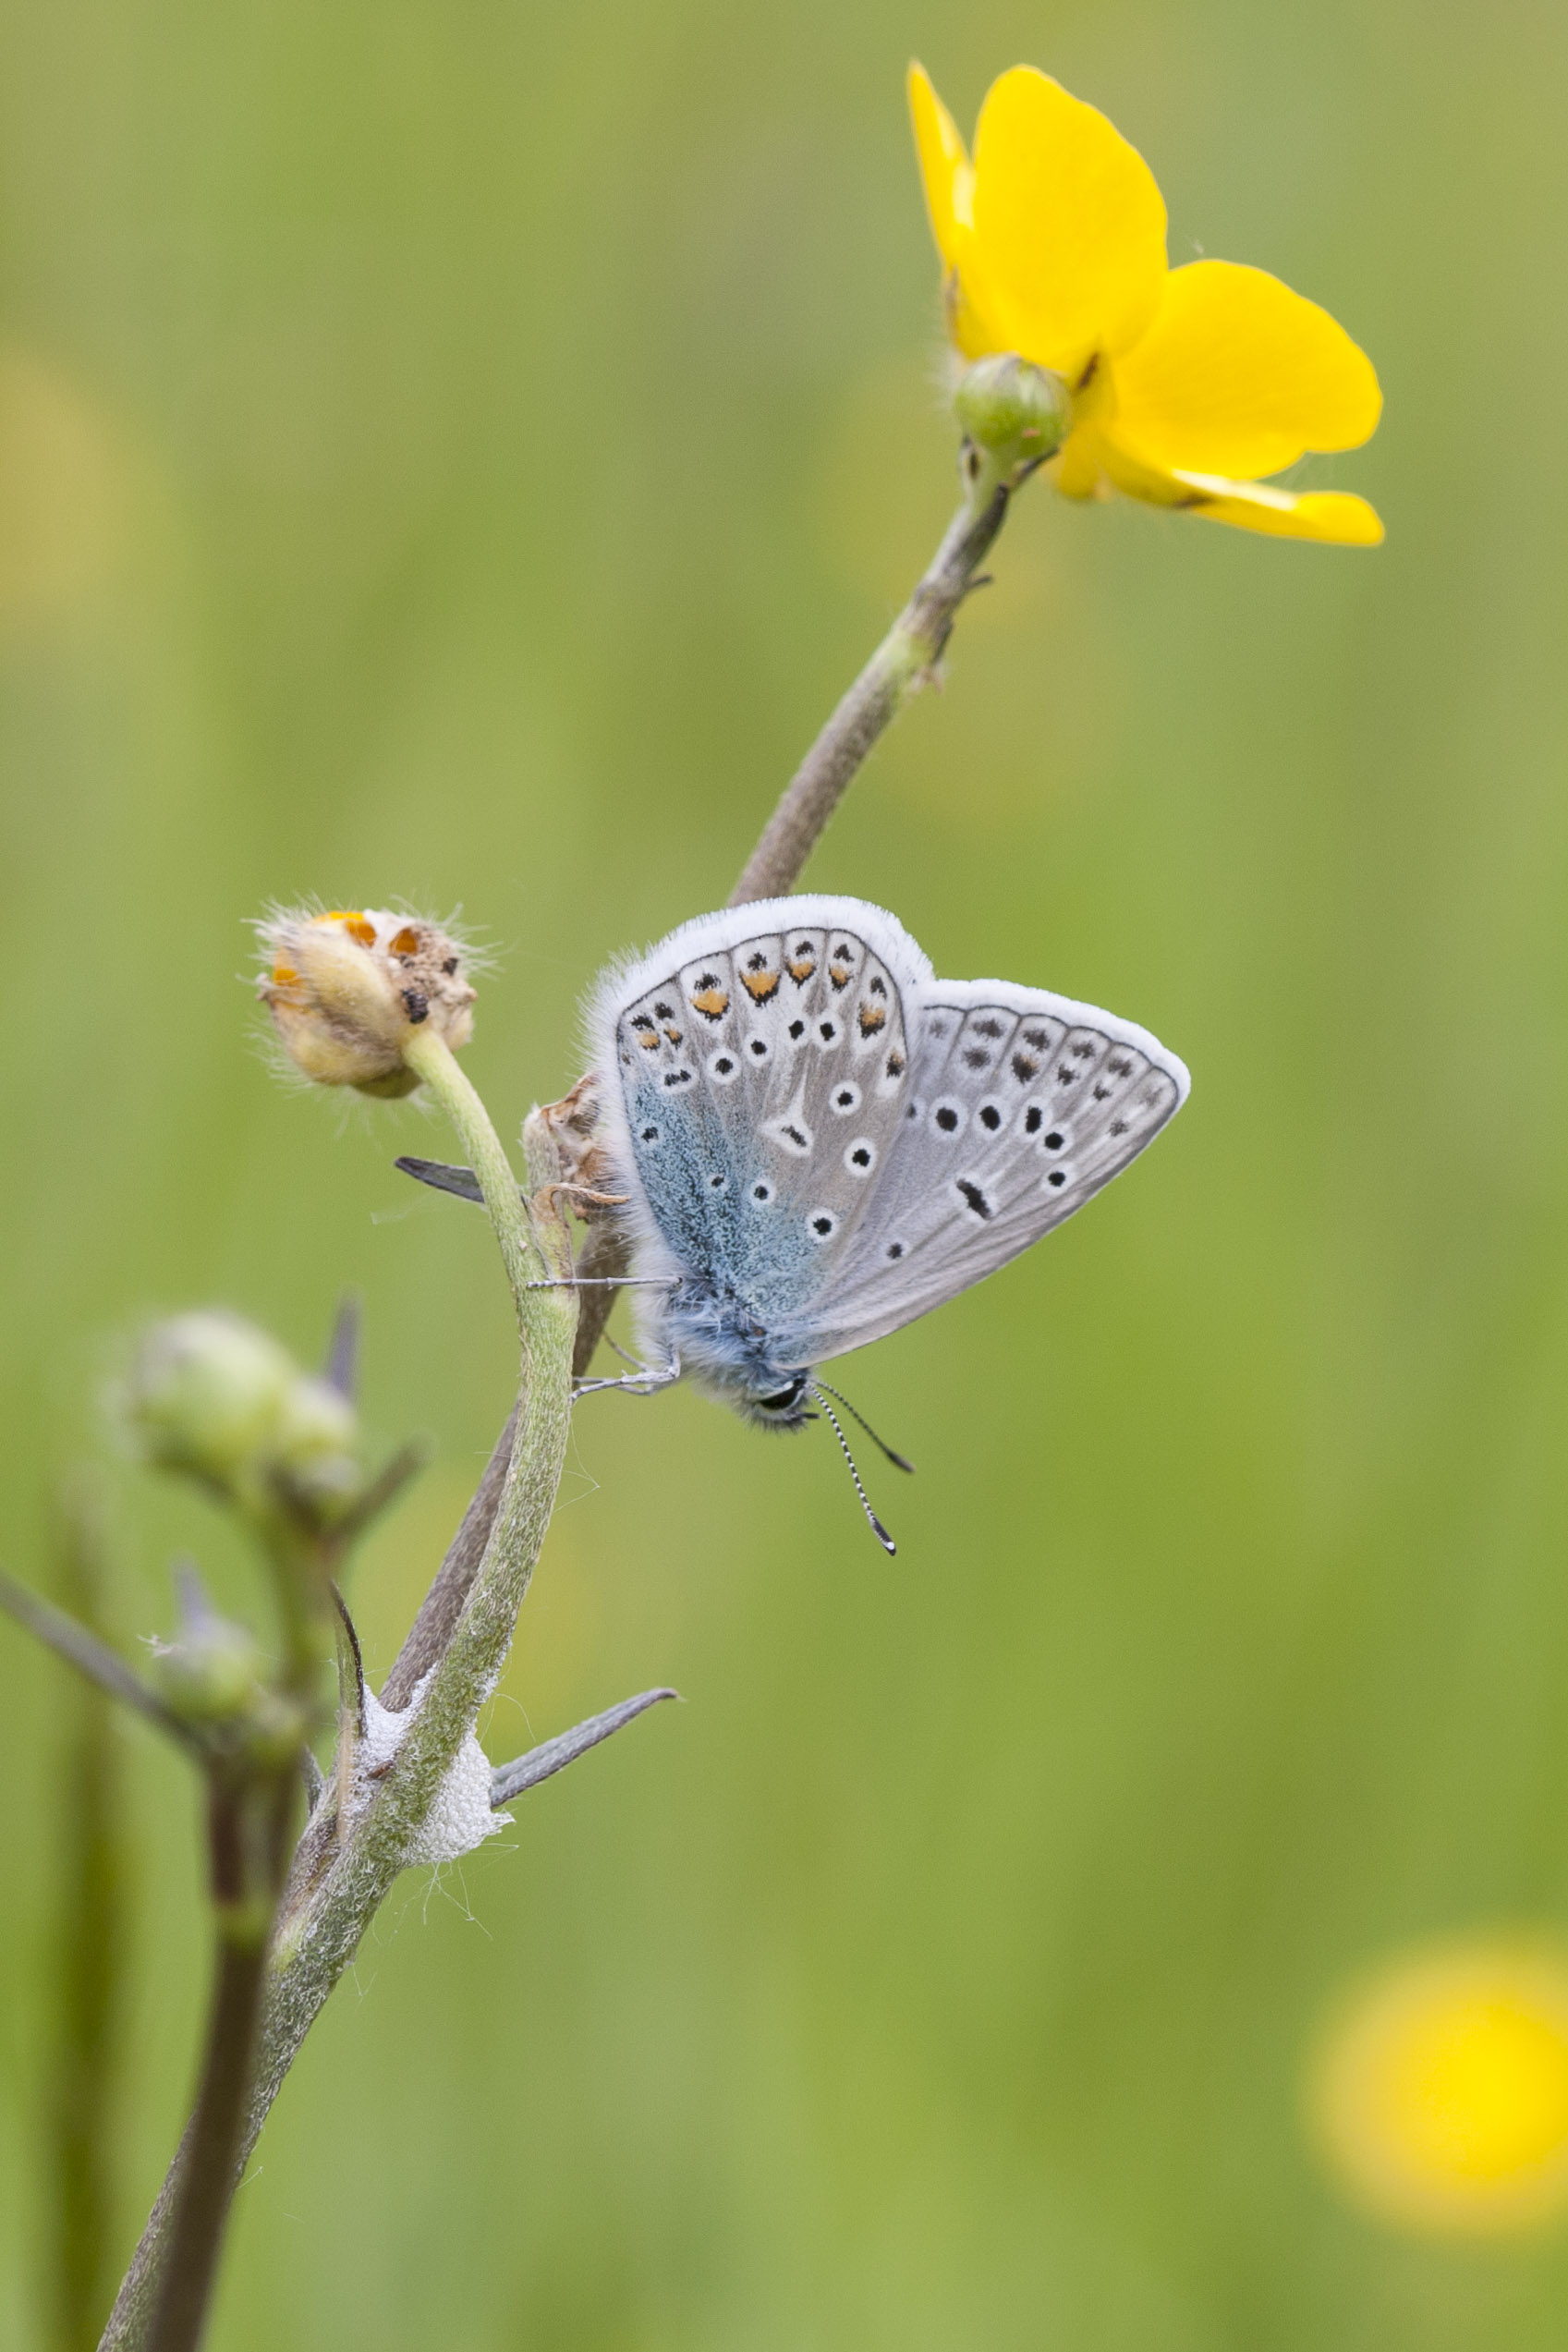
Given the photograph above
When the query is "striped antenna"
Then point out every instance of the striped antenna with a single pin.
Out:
(877, 1528)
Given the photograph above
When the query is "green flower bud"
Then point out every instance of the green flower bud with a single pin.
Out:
(208, 1675)
(311, 1452)
(1015, 412)
(206, 1393)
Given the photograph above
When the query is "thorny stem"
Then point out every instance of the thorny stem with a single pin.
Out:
(328, 1914)
(903, 662)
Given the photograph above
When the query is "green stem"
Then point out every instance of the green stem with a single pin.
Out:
(325, 1919)
(902, 662)
(435, 1063)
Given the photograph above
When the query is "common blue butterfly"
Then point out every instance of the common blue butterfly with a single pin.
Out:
(818, 1140)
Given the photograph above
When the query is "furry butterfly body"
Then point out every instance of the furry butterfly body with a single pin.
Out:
(818, 1140)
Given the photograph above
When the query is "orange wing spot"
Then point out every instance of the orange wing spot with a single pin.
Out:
(674, 1035)
(647, 1035)
(760, 986)
(407, 942)
(284, 976)
(712, 1003)
(800, 968)
(872, 1017)
(839, 975)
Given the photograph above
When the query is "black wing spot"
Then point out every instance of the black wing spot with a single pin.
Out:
(990, 1116)
(677, 1077)
(1034, 1118)
(989, 1026)
(724, 1065)
(1119, 1066)
(822, 1227)
(973, 1197)
(946, 1119)
(717, 1183)
(1083, 1051)
(827, 1031)
(665, 1011)
(1057, 1176)
(895, 1066)
(1067, 1077)
(1055, 1139)
(1024, 1068)
(896, 1248)
(860, 1157)
(797, 1029)
(759, 1048)
(1035, 1037)
(1101, 1092)
(1118, 1126)
(761, 1193)
(650, 1135)
(877, 986)
(976, 1057)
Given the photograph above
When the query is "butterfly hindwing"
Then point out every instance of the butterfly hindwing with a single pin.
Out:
(1022, 1106)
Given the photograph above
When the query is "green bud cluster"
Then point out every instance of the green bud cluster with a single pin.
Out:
(213, 1396)
(1017, 413)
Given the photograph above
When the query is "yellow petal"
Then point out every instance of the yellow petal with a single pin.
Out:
(1239, 375)
(944, 166)
(1068, 253)
(1336, 517)
(1095, 459)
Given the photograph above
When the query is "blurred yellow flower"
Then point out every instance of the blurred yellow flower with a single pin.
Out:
(1440, 2092)
(1188, 385)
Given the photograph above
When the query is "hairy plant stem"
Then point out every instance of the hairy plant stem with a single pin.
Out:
(324, 1918)
(904, 661)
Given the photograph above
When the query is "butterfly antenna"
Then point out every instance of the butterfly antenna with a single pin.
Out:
(877, 1528)
(897, 1459)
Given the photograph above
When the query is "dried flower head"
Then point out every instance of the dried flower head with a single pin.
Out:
(348, 988)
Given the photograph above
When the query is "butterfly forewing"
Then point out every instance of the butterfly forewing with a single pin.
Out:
(1020, 1107)
(764, 1085)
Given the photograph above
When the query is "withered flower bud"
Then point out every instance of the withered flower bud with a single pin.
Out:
(347, 990)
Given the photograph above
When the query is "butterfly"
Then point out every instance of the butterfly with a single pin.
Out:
(814, 1140)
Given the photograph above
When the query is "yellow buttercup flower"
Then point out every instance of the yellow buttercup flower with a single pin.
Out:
(1440, 2092)
(1189, 384)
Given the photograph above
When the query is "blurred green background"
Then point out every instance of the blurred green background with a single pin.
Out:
(460, 451)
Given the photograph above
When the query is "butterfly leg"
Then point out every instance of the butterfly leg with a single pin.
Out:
(646, 1381)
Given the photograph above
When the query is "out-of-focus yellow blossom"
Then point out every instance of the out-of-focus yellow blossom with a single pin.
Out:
(1189, 384)
(1441, 2093)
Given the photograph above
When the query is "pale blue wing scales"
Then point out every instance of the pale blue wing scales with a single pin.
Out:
(763, 1085)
